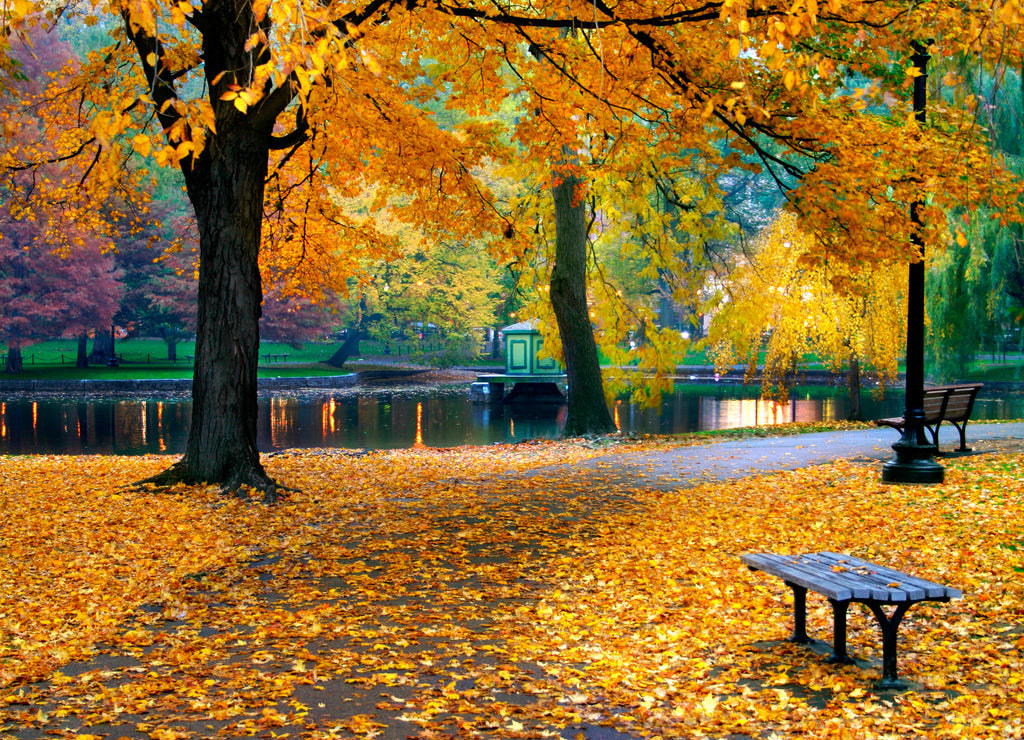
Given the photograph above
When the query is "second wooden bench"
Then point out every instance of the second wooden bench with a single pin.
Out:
(952, 403)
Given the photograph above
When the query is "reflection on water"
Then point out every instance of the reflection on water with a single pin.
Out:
(74, 427)
(413, 419)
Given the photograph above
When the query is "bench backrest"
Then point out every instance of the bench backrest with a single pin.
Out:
(934, 403)
(950, 402)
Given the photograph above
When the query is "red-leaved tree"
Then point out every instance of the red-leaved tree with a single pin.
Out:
(55, 279)
(45, 294)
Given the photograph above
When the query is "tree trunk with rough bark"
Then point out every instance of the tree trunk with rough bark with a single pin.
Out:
(225, 179)
(14, 363)
(348, 348)
(853, 384)
(226, 185)
(102, 346)
(587, 408)
(172, 336)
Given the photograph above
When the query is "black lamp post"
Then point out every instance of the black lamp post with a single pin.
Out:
(914, 461)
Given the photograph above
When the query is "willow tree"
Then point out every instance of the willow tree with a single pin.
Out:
(779, 302)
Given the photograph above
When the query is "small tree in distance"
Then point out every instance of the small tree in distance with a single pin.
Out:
(294, 319)
(44, 294)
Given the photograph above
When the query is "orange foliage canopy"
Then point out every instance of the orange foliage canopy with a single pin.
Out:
(360, 93)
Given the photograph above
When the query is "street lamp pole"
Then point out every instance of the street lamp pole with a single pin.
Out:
(914, 461)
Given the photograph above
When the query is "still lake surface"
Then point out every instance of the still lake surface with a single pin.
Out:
(403, 418)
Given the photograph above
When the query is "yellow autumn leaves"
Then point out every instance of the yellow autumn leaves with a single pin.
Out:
(446, 592)
(79, 555)
(844, 315)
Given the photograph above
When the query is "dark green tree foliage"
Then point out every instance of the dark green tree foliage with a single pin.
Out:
(956, 292)
(976, 289)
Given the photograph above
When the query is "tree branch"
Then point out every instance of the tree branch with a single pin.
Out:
(161, 81)
(294, 138)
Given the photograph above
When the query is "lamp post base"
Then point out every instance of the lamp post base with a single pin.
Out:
(913, 463)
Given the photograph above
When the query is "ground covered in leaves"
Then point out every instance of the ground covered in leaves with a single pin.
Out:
(442, 593)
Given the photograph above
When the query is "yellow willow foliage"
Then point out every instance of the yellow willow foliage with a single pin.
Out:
(650, 227)
(656, 232)
(842, 313)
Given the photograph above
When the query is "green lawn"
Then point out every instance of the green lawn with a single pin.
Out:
(147, 358)
(995, 372)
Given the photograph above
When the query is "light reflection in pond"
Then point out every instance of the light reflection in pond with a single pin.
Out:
(412, 418)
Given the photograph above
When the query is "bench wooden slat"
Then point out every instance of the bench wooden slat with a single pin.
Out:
(820, 577)
(960, 400)
(930, 589)
(878, 579)
(793, 571)
(956, 408)
(858, 580)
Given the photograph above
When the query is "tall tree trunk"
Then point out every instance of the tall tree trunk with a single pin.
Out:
(350, 346)
(14, 362)
(172, 335)
(226, 185)
(347, 349)
(82, 358)
(225, 180)
(587, 408)
(853, 384)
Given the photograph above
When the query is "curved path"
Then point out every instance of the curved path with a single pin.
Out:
(758, 455)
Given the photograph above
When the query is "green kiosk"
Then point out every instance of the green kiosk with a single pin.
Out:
(533, 379)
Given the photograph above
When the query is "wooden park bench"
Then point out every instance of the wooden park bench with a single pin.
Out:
(952, 403)
(845, 580)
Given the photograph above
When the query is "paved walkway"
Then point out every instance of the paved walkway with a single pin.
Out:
(757, 455)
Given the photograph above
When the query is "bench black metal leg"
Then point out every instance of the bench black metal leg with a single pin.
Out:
(839, 654)
(962, 428)
(799, 614)
(889, 625)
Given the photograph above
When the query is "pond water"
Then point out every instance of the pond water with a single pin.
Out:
(404, 418)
